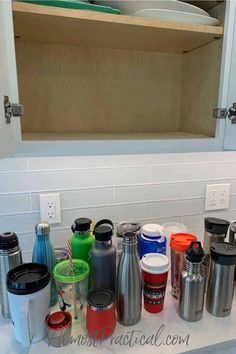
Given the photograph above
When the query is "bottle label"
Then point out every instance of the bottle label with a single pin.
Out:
(154, 292)
(151, 246)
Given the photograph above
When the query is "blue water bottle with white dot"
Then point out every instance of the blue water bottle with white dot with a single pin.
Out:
(152, 240)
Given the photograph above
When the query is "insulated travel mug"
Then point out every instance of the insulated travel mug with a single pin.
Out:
(28, 287)
(155, 269)
(101, 313)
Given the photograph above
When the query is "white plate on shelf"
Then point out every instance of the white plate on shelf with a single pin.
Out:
(177, 16)
(131, 6)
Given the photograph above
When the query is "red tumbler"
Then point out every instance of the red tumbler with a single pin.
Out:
(101, 313)
(155, 268)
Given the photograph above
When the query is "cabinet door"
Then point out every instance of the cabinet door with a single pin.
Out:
(230, 126)
(9, 132)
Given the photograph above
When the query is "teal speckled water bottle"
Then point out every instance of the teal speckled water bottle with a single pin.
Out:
(44, 253)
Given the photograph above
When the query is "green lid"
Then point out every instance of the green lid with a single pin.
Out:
(63, 274)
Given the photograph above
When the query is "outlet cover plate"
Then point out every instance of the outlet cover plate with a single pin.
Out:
(50, 208)
(217, 196)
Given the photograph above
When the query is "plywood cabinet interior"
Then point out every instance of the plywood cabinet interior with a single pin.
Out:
(72, 91)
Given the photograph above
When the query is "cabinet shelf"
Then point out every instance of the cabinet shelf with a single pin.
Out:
(39, 23)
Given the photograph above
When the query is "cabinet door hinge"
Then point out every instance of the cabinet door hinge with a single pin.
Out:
(223, 113)
(12, 109)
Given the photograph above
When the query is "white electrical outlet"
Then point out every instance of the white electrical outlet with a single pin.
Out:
(50, 208)
(217, 196)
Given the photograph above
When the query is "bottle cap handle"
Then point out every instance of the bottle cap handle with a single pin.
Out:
(103, 221)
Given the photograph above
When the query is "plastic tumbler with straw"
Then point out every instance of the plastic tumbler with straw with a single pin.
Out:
(71, 278)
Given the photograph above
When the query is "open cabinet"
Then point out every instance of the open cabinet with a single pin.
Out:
(102, 83)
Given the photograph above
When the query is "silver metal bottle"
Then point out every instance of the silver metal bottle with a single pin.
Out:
(215, 231)
(232, 239)
(192, 284)
(129, 284)
(10, 257)
(221, 279)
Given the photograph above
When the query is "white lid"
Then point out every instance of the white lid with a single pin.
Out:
(152, 230)
(155, 263)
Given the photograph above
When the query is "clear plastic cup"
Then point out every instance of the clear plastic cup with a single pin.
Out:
(170, 228)
(72, 287)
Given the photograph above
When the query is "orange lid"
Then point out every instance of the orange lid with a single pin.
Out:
(180, 242)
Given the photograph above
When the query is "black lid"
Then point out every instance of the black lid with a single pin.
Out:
(216, 226)
(194, 252)
(126, 226)
(81, 224)
(27, 278)
(100, 298)
(103, 233)
(223, 253)
(8, 240)
(103, 230)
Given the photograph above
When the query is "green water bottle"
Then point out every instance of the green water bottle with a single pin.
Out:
(82, 240)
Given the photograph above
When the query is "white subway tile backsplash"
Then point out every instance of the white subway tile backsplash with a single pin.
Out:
(160, 220)
(14, 203)
(149, 188)
(181, 173)
(116, 212)
(59, 238)
(226, 170)
(148, 193)
(232, 202)
(198, 189)
(210, 156)
(86, 197)
(19, 222)
(111, 177)
(35, 181)
(67, 219)
(176, 208)
(13, 164)
(148, 159)
(194, 222)
(195, 189)
(80, 198)
(69, 162)
(26, 241)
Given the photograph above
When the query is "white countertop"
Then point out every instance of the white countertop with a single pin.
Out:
(209, 335)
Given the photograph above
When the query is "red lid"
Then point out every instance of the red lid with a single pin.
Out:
(180, 242)
(58, 320)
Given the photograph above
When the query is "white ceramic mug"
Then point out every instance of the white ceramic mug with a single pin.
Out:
(28, 313)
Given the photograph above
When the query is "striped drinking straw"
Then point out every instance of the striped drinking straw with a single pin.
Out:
(73, 286)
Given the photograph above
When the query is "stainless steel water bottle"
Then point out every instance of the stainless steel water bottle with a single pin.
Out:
(215, 231)
(221, 279)
(129, 285)
(192, 284)
(103, 257)
(10, 257)
(232, 239)
(126, 226)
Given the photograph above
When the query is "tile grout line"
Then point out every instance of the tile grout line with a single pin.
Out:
(114, 195)
(113, 165)
(210, 180)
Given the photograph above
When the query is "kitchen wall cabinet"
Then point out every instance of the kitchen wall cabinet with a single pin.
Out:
(94, 83)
